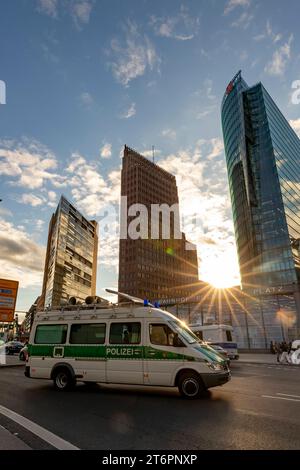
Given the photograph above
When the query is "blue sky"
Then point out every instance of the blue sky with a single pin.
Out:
(85, 77)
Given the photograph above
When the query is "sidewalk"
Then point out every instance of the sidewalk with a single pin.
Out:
(256, 358)
(9, 441)
(10, 361)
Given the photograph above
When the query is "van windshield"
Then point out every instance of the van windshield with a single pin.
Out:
(185, 332)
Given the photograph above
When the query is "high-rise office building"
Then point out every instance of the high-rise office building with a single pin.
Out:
(71, 257)
(153, 268)
(263, 156)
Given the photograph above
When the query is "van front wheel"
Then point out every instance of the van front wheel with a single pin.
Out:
(190, 385)
(63, 380)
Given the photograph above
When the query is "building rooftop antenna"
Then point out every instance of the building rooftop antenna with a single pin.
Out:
(153, 155)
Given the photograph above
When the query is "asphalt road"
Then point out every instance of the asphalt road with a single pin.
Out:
(258, 409)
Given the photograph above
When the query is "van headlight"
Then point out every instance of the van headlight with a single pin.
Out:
(215, 366)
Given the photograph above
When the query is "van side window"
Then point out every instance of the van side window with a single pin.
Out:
(88, 333)
(51, 334)
(161, 334)
(228, 335)
(125, 333)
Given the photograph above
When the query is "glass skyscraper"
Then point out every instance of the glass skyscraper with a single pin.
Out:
(263, 163)
(71, 257)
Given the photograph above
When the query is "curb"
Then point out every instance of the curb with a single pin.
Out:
(270, 364)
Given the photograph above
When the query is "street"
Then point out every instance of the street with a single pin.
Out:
(258, 409)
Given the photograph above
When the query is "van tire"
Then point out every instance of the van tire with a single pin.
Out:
(63, 380)
(190, 385)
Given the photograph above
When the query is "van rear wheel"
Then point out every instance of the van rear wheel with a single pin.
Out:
(63, 380)
(190, 385)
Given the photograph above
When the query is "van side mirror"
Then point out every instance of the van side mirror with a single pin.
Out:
(177, 342)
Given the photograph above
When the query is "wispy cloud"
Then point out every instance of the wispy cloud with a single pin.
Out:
(233, 4)
(243, 21)
(86, 99)
(280, 59)
(48, 7)
(79, 10)
(170, 133)
(268, 33)
(182, 26)
(134, 58)
(129, 112)
(105, 151)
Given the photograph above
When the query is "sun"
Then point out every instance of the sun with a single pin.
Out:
(221, 271)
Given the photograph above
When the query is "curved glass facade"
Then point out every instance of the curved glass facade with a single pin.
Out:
(262, 155)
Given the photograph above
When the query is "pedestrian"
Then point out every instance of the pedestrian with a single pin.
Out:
(277, 350)
(272, 348)
(284, 354)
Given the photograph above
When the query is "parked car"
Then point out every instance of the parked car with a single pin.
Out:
(23, 353)
(13, 347)
(221, 351)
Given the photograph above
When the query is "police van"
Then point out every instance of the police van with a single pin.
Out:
(132, 342)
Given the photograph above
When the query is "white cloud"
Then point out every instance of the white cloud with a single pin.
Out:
(203, 196)
(135, 58)
(20, 257)
(130, 112)
(295, 123)
(48, 7)
(31, 199)
(280, 59)
(52, 199)
(233, 4)
(29, 163)
(105, 151)
(170, 133)
(182, 27)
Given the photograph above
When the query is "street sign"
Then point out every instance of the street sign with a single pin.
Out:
(8, 297)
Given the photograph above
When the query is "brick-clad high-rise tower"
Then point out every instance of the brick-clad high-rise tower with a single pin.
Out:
(153, 268)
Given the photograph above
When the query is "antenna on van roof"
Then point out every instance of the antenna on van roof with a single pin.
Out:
(135, 300)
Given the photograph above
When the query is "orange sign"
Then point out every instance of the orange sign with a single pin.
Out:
(8, 298)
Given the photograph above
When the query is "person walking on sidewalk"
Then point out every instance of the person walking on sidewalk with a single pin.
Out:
(284, 355)
(277, 350)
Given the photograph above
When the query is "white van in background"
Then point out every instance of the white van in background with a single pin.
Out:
(128, 343)
(221, 335)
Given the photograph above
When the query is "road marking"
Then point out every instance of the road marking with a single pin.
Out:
(280, 398)
(42, 433)
(286, 395)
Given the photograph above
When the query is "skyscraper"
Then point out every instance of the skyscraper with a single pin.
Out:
(153, 268)
(71, 257)
(263, 156)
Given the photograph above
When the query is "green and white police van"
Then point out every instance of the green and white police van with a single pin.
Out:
(127, 343)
